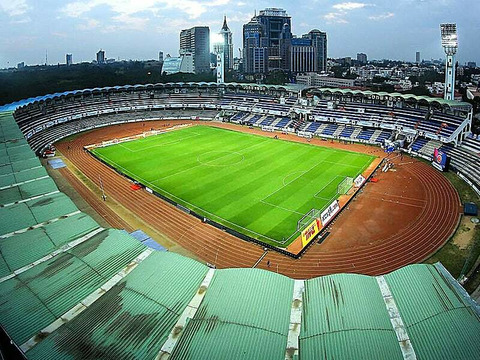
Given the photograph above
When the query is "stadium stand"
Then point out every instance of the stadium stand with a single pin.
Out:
(72, 289)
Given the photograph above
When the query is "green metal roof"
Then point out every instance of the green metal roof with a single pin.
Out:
(344, 316)
(417, 98)
(436, 316)
(22, 249)
(27, 190)
(36, 297)
(134, 318)
(245, 314)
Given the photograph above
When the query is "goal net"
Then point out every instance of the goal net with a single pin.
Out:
(307, 219)
(345, 185)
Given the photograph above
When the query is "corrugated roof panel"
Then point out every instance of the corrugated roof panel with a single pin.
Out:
(22, 215)
(61, 282)
(248, 307)
(351, 344)
(27, 190)
(421, 292)
(21, 312)
(24, 248)
(4, 269)
(25, 164)
(251, 297)
(30, 174)
(134, 318)
(10, 195)
(454, 334)
(68, 229)
(37, 187)
(107, 250)
(51, 207)
(345, 311)
(7, 179)
(435, 315)
(215, 339)
(5, 168)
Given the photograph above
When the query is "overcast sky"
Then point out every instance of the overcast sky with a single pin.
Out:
(138, 29)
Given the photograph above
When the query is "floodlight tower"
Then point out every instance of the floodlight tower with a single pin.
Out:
(450, 45)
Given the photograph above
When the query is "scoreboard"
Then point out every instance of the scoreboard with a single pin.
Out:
(440, 160)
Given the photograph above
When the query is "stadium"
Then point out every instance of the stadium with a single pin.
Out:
(296, 220)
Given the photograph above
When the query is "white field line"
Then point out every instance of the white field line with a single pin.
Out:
(294, 179)
(192, 206)
(201, 164)
(281, 208)
(158, 145)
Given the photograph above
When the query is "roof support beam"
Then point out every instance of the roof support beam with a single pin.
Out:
(396, 320)
(188, 313)
(291, 351)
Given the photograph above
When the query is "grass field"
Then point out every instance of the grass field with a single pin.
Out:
(256, 185)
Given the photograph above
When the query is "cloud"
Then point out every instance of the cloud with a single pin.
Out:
(14, 7)
(90, 24)
(335, 18)
(347, 6)
(193, 8)
(381, 16)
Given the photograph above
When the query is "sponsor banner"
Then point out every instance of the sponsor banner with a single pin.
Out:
(359, 180)
(310, 232)
(329, 213)
(149, 190)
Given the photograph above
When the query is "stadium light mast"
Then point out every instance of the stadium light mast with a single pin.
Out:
(450, 46)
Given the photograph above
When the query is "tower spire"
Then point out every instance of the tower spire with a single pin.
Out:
(225, 26)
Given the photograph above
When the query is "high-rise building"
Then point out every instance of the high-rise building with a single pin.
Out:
(268, 44)
(255, 50)
(226, 46)
(362, 58)
(69, 59)
(195, 42)
(277, 32)
(101, 57)
(303, 55)
(472, 64)
(266, 39)
(417, 57)
(319, 41)
(160, 56)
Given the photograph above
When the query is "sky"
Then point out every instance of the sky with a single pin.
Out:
(139, 29)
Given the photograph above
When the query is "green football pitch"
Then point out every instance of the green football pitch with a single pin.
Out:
(256, 185)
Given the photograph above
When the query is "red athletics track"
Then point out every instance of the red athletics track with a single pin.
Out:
(400, 220)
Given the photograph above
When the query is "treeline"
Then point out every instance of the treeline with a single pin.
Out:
(42, 80)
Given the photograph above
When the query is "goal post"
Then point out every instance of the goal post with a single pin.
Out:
(307, 219)
(345, 185)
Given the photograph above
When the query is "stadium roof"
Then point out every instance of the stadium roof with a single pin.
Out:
(405, 97)
(70, 289)
(247, 86)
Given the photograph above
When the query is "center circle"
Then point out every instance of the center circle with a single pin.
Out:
(220, 158)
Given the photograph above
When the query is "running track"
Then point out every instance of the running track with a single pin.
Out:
(435, 204)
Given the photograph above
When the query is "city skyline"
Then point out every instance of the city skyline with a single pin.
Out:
(138, 30)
